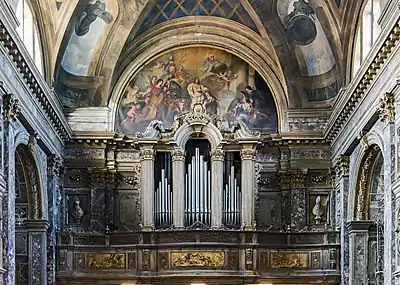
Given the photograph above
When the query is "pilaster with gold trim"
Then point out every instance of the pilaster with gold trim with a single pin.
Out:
(248, 186)
(217, 184)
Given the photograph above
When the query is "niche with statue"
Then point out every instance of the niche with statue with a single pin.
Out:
(318, 209)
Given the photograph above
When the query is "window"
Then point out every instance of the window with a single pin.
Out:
(28, 32)
(367, 32)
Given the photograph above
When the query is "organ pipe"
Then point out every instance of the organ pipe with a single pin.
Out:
(198, 188)
(232, 194)
(163, 193)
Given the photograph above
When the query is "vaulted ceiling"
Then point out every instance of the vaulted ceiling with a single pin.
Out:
(96, 42)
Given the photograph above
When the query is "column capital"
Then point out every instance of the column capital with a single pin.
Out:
(248, 153)
(147, 154)
(55, 165)
(386, 109)
(178, 155)
(11, 108)
(342, 165)
(217, 155)
(36, 225)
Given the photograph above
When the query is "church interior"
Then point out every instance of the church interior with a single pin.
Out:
(200, 142)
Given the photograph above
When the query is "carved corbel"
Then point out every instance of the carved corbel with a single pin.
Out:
(386, 109)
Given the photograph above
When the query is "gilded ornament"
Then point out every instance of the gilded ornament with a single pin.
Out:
(106, 260)
(363, 182)
(293, 179)
(198, 259)
(289, 260)
(386, 108)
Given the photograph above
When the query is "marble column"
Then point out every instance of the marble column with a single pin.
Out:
(386, 113)
(178, 187)
(342, 174)
(248, 186)
(217, 184)
(147, 156)
(37, 258)
(358, 252)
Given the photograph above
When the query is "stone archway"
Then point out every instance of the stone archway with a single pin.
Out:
(30, 226)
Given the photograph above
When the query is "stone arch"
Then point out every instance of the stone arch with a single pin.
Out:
(364, 182)
(33, 181)
(187, 131)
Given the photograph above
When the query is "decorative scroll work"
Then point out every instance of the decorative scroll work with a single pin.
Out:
(106, 260)
(364, 181)
(198, 259)
(197, 121)
(289, 260)
(386, 108)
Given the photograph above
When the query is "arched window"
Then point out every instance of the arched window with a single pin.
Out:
(28, 32)
(367, 32)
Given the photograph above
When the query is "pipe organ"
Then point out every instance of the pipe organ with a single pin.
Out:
(232, 194)
(163, 190)
(198, 183)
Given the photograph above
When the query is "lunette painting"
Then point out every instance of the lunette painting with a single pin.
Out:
(171, 84)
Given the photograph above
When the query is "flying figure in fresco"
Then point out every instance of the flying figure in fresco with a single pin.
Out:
(94, 9)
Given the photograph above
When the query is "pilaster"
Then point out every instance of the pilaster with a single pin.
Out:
(386, 111)
(37, 251)
(217, 184)
(178, 173)
(298, 200)
(342, 172)
(358, 252)
(248, 186)
(147, 156)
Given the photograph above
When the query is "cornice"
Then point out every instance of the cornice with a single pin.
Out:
(355, 93)
(110, 138)
(45, 97)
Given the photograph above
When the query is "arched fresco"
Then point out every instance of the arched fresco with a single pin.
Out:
(171, 84)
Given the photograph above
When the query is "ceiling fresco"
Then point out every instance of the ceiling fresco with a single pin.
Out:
(101, 35)
(164, 10)
(170, 85)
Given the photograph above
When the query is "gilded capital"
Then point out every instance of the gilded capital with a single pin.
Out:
(147, 154)
(386, 108)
